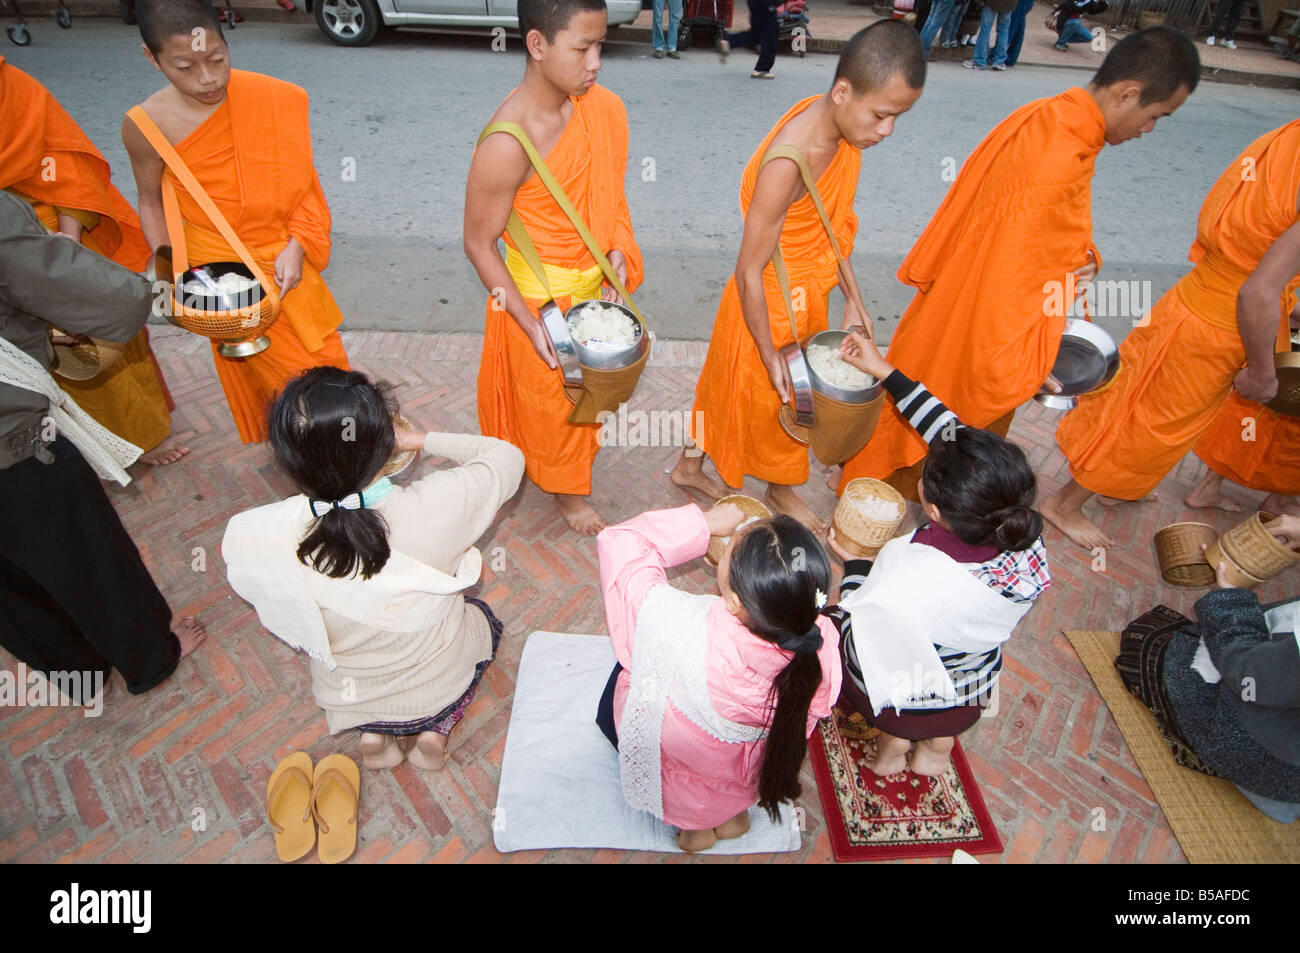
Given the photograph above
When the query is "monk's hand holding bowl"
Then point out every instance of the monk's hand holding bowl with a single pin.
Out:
(542, 344)
(778, 372)
(619, 264)
(288, 267)
(1256, 385)
(855, 316)
(723, 519)
(1052, 385)
(1286, 530)
(1083, 276)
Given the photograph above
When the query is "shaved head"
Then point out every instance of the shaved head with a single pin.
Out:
(877, 54)
(1160, 59)
(160, 20)
(549, 17)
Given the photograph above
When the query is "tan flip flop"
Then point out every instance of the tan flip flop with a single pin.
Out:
(335, 796)
(288, 806)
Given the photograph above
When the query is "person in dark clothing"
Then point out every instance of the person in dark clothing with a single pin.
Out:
(1232, 10)
(763, 33)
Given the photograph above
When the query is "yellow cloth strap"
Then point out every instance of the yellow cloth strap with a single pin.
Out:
(778, 260)
(519, 235)
(574, 283)
(172, 212)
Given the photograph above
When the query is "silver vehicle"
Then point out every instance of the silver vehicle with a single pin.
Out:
(355, 22)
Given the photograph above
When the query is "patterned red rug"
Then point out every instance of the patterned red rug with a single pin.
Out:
(903, 815)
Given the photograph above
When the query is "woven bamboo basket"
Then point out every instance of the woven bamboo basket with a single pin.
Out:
(1254, 551)
(1180, 556)
(861, 534)
(401, 460)
(1236, 576)
(750, 507)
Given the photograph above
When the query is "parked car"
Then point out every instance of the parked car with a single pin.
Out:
(355, 22)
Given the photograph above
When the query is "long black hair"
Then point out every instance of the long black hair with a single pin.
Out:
(776, 569)
(332, 431)
(984, 489)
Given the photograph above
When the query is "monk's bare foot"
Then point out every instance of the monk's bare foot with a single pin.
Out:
(1116, 501)
(689, 474)
(1071, 521)
(783, 499)
(429, 753)
(579, 514)
(931, 757)
(169, 451)
(833, 479)
(695, 841)
(1209, 495)
(890, 756)
(1277, 504)
(190, 632)
(380, 752)
(736, 827)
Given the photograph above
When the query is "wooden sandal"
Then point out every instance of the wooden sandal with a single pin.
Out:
(335, 798)
(289, 806)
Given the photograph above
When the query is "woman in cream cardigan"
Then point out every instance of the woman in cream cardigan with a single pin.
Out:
(369, 578)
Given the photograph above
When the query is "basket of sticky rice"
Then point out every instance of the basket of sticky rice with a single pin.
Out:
(603, 348)
(1250, 553)
(845, 402)
(753, 510)
(868, 516)
(226, 301)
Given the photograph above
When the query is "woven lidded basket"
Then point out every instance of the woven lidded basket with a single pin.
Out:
(1236, 576)
(1180, 556)
(858, 532)
(750, 507)
(1254, 551)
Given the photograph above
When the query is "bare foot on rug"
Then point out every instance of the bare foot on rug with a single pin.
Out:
(931, 757)
(1064, 510)
(379, 752)
(783, 499)
(1277, 504)
(1117, 501)
(689, 474)
(736, 827)
(695, 841)
(579, 514)
(429, 753)
(190, 632)
(889, 757)
(169, 451)
(833, 479)
(1209, 495)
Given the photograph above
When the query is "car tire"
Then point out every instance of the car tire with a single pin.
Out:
(348, 22)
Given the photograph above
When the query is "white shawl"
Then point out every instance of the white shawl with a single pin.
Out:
(260, 550)
(913, 597)
(106, 452)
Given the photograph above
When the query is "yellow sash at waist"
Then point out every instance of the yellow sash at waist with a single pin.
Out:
(1210, 289)
(573, 283)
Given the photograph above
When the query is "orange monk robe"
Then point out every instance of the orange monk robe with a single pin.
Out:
(1253, 446)
(735, 402)
(983, 330)
(520, 399)
(1178, 364)
(253, 156)
(48, 161)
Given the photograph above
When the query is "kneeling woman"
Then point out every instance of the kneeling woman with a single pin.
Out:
(713, 698)
(368, 578)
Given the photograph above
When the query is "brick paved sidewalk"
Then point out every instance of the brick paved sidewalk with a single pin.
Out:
(130, 785)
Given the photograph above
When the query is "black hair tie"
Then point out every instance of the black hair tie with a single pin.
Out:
(807, 644)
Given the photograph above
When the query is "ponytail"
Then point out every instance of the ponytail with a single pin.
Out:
(787, 738)
(343, 540)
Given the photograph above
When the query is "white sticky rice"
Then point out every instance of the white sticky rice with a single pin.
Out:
(830, 367)
(596, 324)
(231, 283)
(874, 508)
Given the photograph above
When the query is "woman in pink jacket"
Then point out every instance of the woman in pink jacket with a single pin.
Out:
(714, 697)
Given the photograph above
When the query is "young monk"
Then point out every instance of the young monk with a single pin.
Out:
(1217, 329)
(247, 140)
(48, 162)
(581, 130)
(983, 330)
(745, 381)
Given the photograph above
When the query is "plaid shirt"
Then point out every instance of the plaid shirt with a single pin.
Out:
(1019, 576)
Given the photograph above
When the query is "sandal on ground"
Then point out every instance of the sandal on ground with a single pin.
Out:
(335, 797)
(757, 75)
(288, 806)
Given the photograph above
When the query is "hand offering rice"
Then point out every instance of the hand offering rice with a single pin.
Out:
(747, 520)
(595, 324)
(830, 367)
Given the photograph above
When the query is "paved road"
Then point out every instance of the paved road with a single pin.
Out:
(408, 108)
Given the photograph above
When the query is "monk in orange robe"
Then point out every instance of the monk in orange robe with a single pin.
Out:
(581, 130)
(745, 381)
(1217, 329)
(46, 160)
(247, 139)
(1011, 245)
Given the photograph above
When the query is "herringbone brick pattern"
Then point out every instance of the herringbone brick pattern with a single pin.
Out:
(137, 783)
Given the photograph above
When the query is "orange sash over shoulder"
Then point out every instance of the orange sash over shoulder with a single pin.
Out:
(1178, 365)
(734, 400)
(253, 156)
(1016, 223)
(520, 399)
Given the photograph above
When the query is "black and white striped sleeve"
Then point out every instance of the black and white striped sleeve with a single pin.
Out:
(925, 412)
